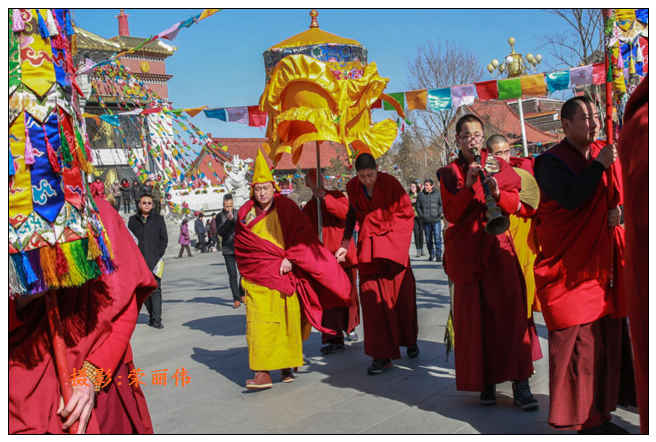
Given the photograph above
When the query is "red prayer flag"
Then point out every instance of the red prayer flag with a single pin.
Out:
(378, 104)
(151, 111)
(256, 117)
(598, 73)
(487, 90)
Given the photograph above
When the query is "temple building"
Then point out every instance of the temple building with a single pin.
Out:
(148, 65)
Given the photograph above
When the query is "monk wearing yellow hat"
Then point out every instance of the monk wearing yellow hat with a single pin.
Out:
(283, 267)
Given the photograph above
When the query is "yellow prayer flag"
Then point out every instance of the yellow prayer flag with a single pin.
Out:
(533, 85)
(194, 111)
(206, 13)
(416, 99)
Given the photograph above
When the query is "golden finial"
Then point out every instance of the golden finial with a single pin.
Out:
(314, 14)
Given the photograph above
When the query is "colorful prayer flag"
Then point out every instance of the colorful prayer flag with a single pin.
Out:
(439, 99)
(533, 85)
(598, 73)
(580, 76)
(509, 88)
(487, 90)
(192, 112)
(207, 13)
(238, 114)
(416, 99)
(171, 32)
(557, 81)
(462, 95)
(256, 117)
(110, 119)
(399, 97)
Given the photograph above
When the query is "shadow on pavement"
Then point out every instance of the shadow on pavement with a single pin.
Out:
(428, 383)
(230, 325)
(211, 300)
(231, 363)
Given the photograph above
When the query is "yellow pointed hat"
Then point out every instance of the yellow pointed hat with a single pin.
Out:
(261, 171)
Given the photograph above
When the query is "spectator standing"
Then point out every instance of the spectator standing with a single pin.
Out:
(225, 226)
(184, 239)
(126, 195)
(150, 230)
(199, 228)
(429, 209)
(418, 230)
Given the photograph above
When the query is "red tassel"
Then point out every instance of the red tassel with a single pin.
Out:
(61, 263)
(52, 155)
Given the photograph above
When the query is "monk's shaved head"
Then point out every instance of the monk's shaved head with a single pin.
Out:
(572, 106)
(365, 161)
(495, 139)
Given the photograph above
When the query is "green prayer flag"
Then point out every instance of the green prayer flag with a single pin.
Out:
(399, 97)
(510, 88)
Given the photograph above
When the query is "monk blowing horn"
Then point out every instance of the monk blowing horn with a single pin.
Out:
(496, 223)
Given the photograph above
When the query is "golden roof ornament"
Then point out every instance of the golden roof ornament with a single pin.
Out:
(314, 14)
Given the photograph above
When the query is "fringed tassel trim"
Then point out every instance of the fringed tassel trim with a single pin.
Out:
(64, 265)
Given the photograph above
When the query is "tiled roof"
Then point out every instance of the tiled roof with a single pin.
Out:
(499, 115)
(88, 40)
(157, 46)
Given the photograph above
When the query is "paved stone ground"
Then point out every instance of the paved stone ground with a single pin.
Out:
(332, 394)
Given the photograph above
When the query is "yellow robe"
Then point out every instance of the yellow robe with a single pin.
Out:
(519, 231)
(273, 320)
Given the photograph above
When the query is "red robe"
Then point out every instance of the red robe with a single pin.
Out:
(334, 207)
(314, 269)
(573, 266)
(493, 342)
(387, 284)
(98, 320)
(634, 157)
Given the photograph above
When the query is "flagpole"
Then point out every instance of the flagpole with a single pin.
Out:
(609, 86)
(521, 123)
(609, 131)
(319, 182)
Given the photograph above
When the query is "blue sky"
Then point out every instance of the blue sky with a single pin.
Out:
(219, 60)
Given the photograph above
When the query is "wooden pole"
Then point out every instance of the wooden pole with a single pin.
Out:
(609, 132)
(59, 351)
(319, 182)
(609, 84)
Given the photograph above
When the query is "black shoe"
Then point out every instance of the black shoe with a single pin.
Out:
(378, 366)
(489, 395)
(332, 348)
(413, 351)
(522, 396)
(160, 326)
(430, 258)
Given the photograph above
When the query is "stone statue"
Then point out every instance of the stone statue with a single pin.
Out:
(235, 181)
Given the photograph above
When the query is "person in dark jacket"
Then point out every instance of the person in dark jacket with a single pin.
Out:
(136, 192)
(126, 195)
(429, 209)
(201, 232)
(225, 226)
(150, 231)
(418, 230)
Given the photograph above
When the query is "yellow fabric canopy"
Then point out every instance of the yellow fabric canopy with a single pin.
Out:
(314, 36)
(307, 101)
